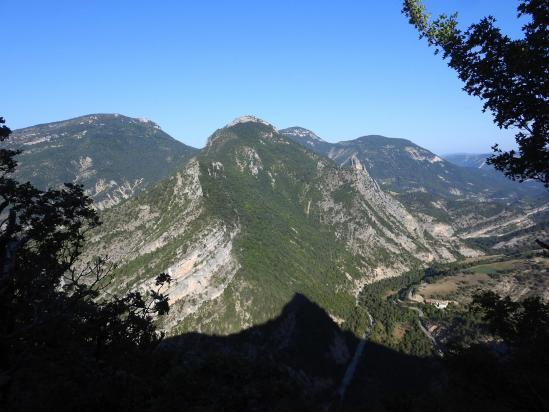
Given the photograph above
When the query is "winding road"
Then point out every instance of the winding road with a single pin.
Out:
(436, 345)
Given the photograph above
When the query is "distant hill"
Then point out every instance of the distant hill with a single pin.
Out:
(466, 201)
(472, 160)
(113, 156)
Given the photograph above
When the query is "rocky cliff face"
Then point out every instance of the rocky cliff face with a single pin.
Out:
(113, 156)
(256, 218)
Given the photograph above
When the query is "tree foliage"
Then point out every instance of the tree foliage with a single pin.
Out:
(520, 324)
(63, 341)
(512, 372)
(509, 75)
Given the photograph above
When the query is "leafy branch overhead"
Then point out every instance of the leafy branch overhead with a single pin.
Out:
(509, 75)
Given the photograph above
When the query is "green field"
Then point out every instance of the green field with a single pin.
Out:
(494, 268)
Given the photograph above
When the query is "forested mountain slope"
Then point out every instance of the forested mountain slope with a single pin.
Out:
(113, 156)
(256, 218)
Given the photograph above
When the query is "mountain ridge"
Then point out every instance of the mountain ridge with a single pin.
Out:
(258, 215)
(473, 160)
(100, 152)
(404, 167)
(255, 218)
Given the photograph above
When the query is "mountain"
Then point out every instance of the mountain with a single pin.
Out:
(308, 139)
(472, 160)
(113, 156)
(273, 250)
(401, 166)
(256, 218)
(464, 202)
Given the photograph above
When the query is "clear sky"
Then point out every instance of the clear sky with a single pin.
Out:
(340, 68)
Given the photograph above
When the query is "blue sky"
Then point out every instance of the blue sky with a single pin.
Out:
(341, 68)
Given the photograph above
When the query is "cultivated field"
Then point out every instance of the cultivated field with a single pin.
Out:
(516, 277)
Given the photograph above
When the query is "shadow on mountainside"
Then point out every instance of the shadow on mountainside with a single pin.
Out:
(297, 361)
(300, 354)
(294, 362)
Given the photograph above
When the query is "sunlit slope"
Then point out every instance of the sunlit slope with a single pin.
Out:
(256, 218)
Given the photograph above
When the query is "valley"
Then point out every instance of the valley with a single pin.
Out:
(441, 295)
(278, 244)
(260, 214)
(249, 206)
(255, 218)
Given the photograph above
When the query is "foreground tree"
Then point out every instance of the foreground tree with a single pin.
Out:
(510, 76)
(513, 372)
(63, 345)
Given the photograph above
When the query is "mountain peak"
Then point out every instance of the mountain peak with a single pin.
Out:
(99, 151)
(380, 140)
(95, 120)
(301, 132)
(248, 119)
